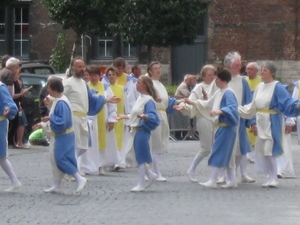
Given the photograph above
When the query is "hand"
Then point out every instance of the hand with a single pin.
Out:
(189, 101)
(143, 116)
(120, 117)
(113, 100)
(204, 94)
(6, 111)
(253, 129)
(47, 101)
(36, 126)
(26, 91)
(110, 126)
(178, 107)
(215, 113)
(159, 100)
(288, 129)
(45, 119)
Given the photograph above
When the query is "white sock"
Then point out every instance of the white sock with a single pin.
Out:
(141, 175)
(155, 162)
(272, 164)
(243, 166)
(8, 169)
(195, 163)
(149, 173)
(214, 174)
(77, 177)
(231, 175)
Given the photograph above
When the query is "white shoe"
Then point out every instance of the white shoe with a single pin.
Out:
(101, 171)
(13, 187)
(117, 167)
(265, 185)
(53, 190)
(209, 184)
(273, 184)
(68, 177)
(247, 179)
(221, 180)
(82, 174)
(151, 179)
(81, 185)
(138, 188)
(191, 176)
(161, 179)
(229, 185)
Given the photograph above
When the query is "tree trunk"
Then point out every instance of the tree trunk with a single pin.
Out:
(117, 45)
(74, 53)
(149, 53)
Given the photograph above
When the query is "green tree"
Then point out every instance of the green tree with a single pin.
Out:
(59, 57)
(81, 16)
(161, 23)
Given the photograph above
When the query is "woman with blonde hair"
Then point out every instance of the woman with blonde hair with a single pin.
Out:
(143, 119)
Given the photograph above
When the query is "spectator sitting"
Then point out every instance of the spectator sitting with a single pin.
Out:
(38, 137)
(185, 88)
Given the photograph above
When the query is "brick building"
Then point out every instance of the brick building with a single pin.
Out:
(259, 30)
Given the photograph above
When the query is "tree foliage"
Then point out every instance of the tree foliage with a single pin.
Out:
(59, 57)
(161, 23)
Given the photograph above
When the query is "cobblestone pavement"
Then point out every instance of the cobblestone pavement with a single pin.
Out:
(107, 199)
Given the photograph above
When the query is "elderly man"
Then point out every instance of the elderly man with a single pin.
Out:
(232, 62)
(185, 88)
(253, 80)
(7, 74)
(136, 71)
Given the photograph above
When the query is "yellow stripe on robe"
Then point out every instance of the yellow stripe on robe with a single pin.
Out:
(253, 83)
(118, 91)
(101, 117)
(122, 80)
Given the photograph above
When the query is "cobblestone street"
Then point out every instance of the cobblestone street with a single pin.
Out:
(107, 199)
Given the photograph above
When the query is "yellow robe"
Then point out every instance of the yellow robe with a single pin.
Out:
(101, 117)
(122, 80)
(253, 83)
(118, 91)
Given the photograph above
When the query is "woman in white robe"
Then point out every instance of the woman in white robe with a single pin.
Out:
(270, 101)
(160, 136)
(205, 126)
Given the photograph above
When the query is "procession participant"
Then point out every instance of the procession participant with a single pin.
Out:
(253, 80)
(143, 119)
(160, 136)
(232, 62)
(8, 110)
(93, 161)
(205, 126)
(270, 101)
(116, 129)
(83, 102)
(285, 161)
(59, 127)
(224, 112)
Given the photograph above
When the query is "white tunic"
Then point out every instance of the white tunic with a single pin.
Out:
(160, 136)
(75, 89)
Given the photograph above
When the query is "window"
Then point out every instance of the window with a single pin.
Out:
(129, 51)
(21, 41)
(2, 31)
(105, 48)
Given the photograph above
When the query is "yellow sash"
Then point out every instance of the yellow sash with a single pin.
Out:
(161, 109)
(77, 113)
(67, 131)
(122, 80)
(221, 125)
(269, 111)
(101, 117)
(118, 91)
(2, 118)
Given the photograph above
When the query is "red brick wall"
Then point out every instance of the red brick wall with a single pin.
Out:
(258, 29)
(44, 32)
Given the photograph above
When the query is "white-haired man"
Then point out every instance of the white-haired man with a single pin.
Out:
(7, 74)
(232, 62)
(253, 80)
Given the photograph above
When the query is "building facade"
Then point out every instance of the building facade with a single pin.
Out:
(259, 30)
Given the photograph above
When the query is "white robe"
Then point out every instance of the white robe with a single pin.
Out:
(75, 89)
(295, 95)
(160, 136)
(285, 161)
(205, 126)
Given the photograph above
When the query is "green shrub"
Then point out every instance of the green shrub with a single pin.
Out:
(59, 57)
